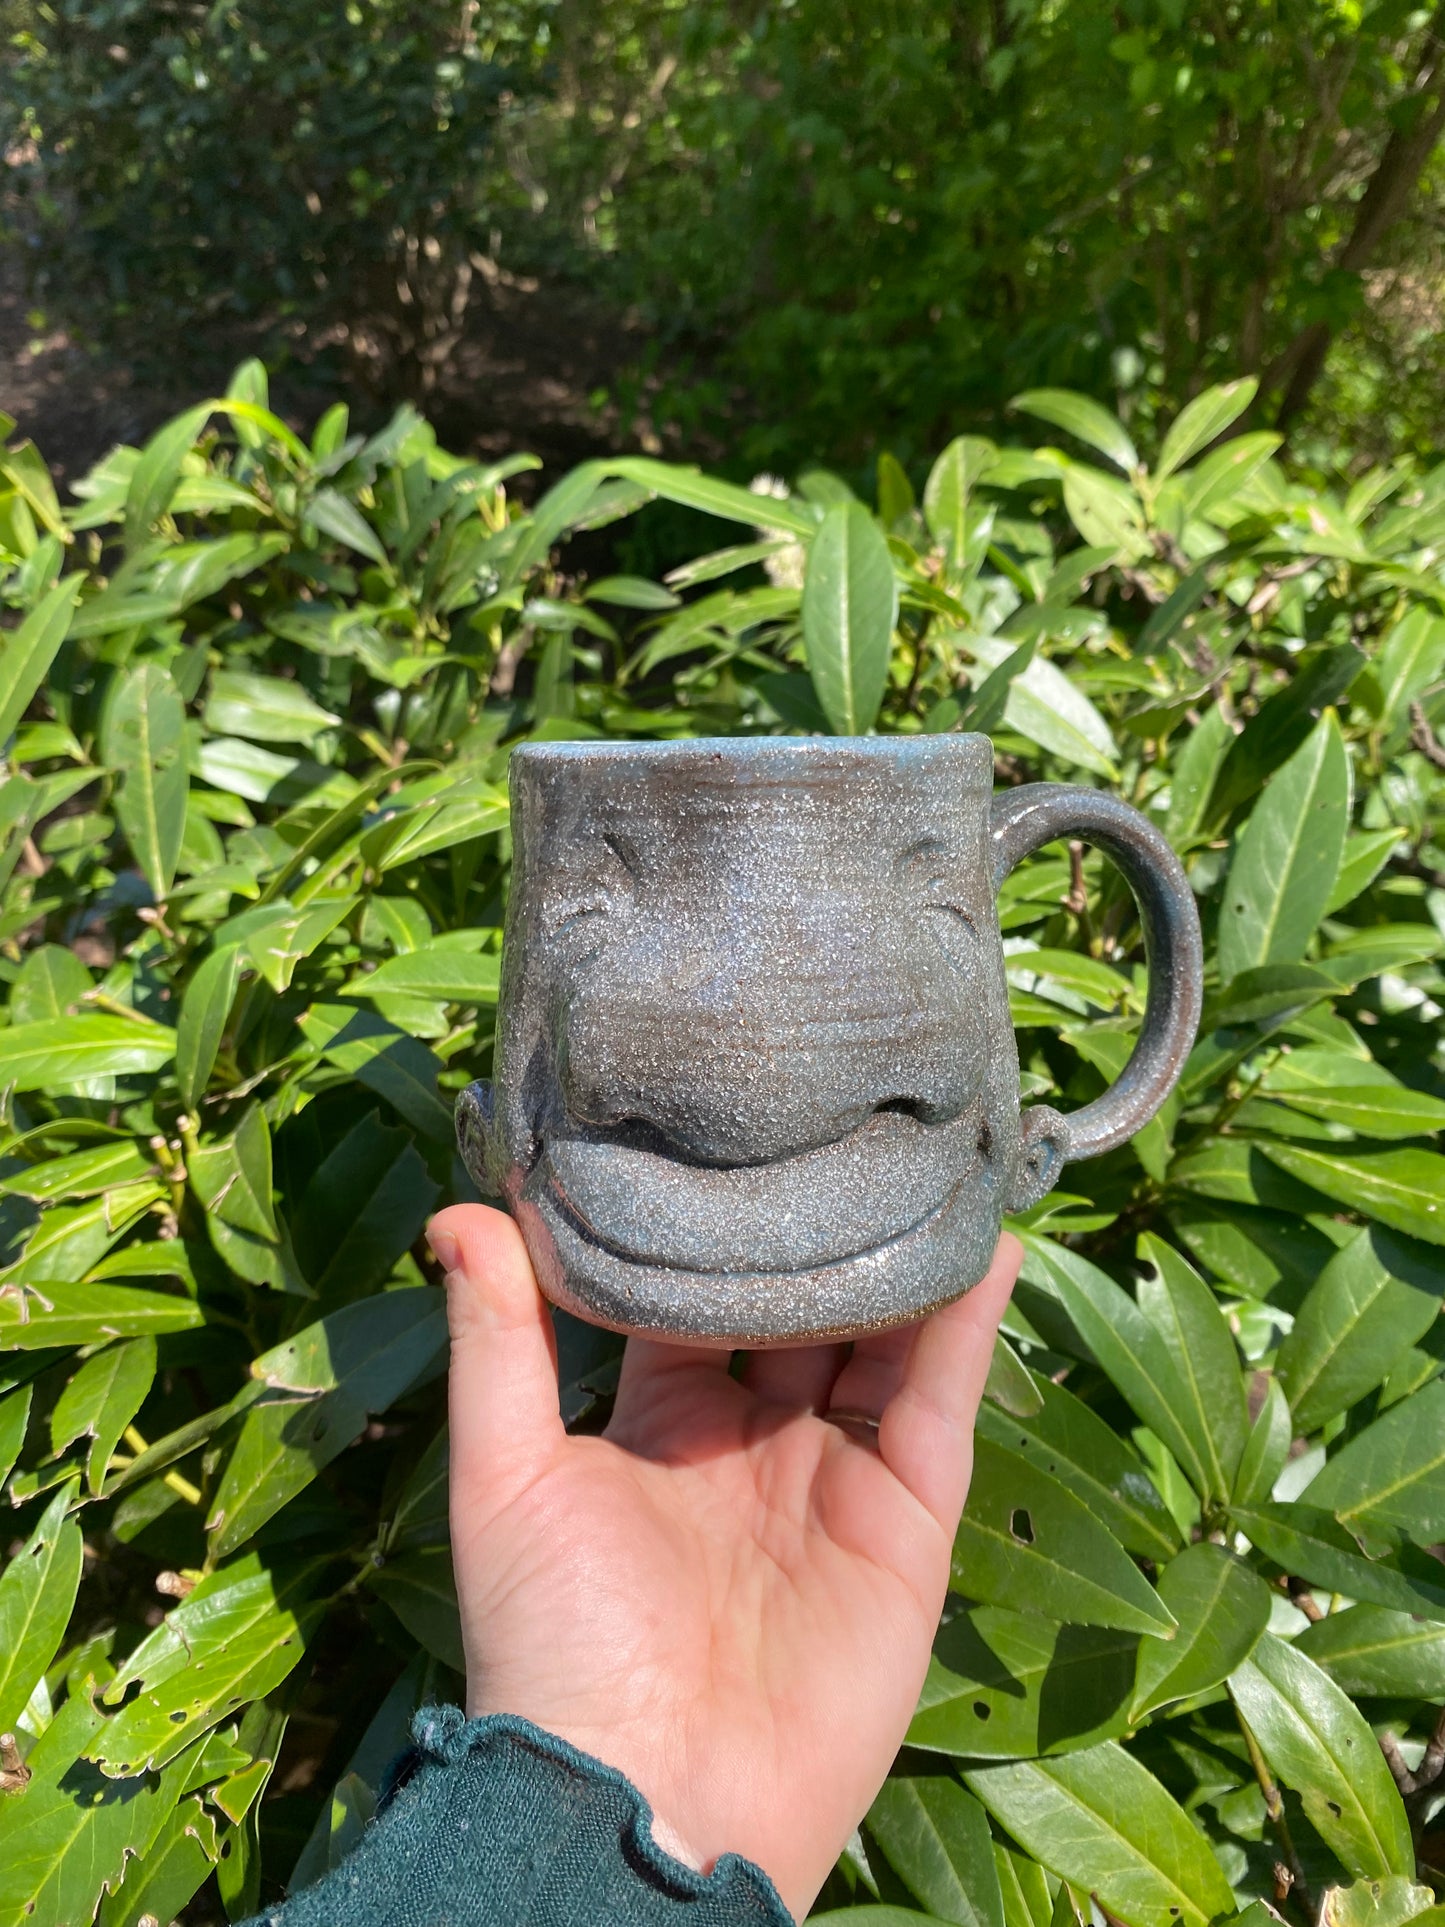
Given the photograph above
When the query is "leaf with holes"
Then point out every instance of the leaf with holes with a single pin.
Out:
(234, 1639)
(1070, 1441)
(1318, 1745)
(1007, 1685)
(1103, 1821)
(1184, 1312)
(1026, 1542)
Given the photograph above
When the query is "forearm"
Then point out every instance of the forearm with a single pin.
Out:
(497, 1824)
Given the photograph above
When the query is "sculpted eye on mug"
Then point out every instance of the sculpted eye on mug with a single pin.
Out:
(755, 1077)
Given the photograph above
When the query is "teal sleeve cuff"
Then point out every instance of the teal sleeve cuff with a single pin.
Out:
(494, 1823)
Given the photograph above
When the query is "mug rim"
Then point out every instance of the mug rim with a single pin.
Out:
(948, 746)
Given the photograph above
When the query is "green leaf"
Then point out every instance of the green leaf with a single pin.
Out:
(1366, 854)
(1403, 1189)
(266, 708)
(323, 1385)
(379, 1056)
(1380, 1903)
(895, 491)
(420, 1589)
(631, 592)
(83, 1173)
(1392, 1473)
(71, 1835)
(1412, 657)
(1287, 858)
(142, 734)
(363, 1208)
(14, 1423)
(191, 571)
(1026, 1542)
(232, 1178)
(1200, 421)
(1082, 418)
(26, 653)
(60, 1313)
(1374, 1110)
(154, 479)
(37, 1591)
(1133, 1353)
(946, 493)
(233, 1639)
(1375, 1298)
(1266, 1450)
(875, 1917)
(278, 936)
(1191, 780)
(1007, 1685)
(1102, 1821)
(1369, 1651)
(1222, 1608)
(62, 1051)
(175, 1866)
(1105, 511)
(1075, 1445)
(1183, 1310)
(850, 604)
(442, 971)
(1313, 1545)
(205, 1008)
(1042, 705)
(1318, 1744)
(1025, 1889)
(100, 1401)
(935, 1836)
(1224, 474)
(331, 513)
(694, 490)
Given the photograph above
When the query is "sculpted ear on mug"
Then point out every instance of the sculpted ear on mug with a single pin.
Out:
(1043, 1152)
(475, 1109)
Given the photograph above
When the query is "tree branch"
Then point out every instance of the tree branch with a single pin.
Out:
(1396, 175)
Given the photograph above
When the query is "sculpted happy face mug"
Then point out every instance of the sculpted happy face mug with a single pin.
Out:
(756, 1081)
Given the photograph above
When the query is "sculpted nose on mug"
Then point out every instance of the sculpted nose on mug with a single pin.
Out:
(733, 1066)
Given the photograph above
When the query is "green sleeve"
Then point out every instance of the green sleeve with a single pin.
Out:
(494, 1823)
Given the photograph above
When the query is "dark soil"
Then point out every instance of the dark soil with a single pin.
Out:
(523, 377)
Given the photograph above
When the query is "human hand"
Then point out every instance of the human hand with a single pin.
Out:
(725, 1597)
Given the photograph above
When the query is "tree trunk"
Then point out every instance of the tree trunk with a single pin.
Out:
(1394, 180)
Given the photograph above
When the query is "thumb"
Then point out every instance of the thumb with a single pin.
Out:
(505, 1416)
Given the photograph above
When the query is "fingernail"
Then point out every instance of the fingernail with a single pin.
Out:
(445, 1248)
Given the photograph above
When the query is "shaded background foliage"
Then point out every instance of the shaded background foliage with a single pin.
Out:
(259, 693)
(833, 227)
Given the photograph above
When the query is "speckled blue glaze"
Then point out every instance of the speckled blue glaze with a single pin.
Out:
(756, 1082)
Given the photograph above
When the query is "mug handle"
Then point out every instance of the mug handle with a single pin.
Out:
(1023, 820)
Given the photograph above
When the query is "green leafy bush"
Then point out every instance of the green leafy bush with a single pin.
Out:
(273, 166)
(254, 855)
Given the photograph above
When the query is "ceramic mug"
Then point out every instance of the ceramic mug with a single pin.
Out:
(756, 1081)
